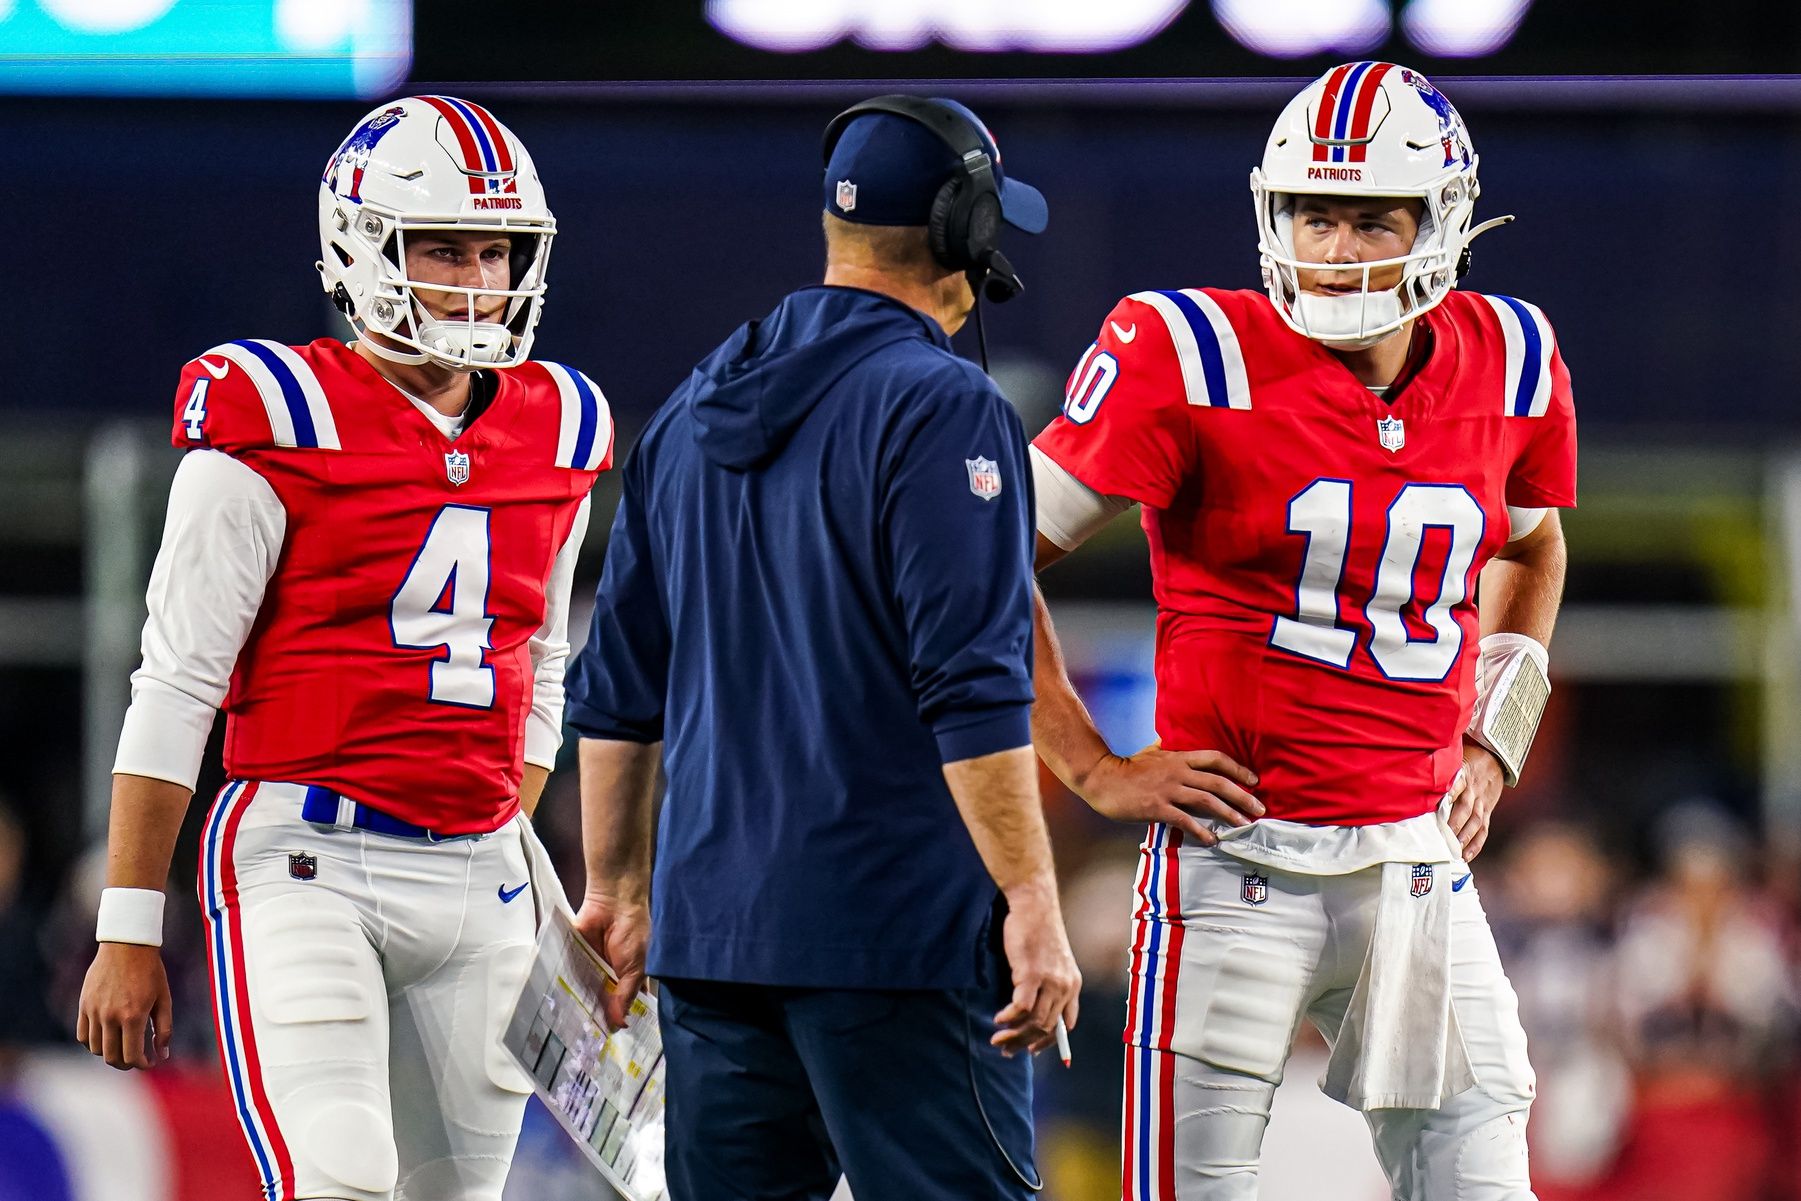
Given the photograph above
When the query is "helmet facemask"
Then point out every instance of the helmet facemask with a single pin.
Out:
(1353, 322)
(412, 335)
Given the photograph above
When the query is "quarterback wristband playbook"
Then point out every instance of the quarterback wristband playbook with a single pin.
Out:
(1512, 686)
(130, 915)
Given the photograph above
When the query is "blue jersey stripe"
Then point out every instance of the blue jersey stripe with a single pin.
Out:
(1206, 339)
(216, 904)
(590, 421)
(304, 433)
(1527, 387)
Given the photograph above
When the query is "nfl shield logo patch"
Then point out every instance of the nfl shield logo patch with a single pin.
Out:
(303, 866)
(456, 467)
(847, 195)
(1255, 890)
(1392, 433)
(1422, 879)
(984, 477)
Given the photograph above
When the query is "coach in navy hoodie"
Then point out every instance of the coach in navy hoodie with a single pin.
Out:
(817, 604)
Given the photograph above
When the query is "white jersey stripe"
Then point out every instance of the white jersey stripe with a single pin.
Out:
(281, 422)
(572, 413)
(1238, 380)
(325, 426)
(1194, 380)
(1526, 383)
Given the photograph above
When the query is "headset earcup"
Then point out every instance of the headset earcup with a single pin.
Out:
(943, 234)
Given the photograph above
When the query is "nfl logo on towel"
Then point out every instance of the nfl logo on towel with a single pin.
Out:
(303, 866)
(456, 467)
(1422, 879)
(1255, 890)
(984, 477)
(847, 195)
(1392, 433)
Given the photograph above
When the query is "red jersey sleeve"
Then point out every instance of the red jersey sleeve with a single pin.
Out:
(1544, 472)
(218, 406)
(1126, 429)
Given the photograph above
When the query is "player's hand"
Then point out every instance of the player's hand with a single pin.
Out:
(1046, 982)
(1473, 797)
(620, 931)
(126, 1016)
(1177, 788)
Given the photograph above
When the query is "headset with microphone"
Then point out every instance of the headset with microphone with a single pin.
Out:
(964, 227)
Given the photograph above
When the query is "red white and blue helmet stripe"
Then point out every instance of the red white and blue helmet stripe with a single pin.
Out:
(487, 159)
(1341, 128)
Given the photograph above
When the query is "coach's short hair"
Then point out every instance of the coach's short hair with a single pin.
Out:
(901, 248)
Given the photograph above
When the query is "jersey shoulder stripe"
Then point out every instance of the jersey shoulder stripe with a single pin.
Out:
(1526, 379)
(1207, 347)
(299, 414)
(586, 433)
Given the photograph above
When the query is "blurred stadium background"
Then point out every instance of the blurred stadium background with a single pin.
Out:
(1645, 881)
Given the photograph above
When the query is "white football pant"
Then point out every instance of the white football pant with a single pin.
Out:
(1217, 999)
(361, 984)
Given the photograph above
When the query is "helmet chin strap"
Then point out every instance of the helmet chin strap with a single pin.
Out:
(1339, 321)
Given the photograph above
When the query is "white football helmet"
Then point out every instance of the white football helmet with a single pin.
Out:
(1368, 129)
(432, 163)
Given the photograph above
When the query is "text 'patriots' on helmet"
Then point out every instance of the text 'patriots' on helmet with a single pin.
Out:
(433, 163)
(1376, 130)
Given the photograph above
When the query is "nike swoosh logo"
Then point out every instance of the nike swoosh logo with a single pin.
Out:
(507, 894)
(1457, 884)
(215, 372)
(1126, 334)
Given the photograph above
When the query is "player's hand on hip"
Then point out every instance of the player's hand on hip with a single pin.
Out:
(1177, 788)
(1473, 797)
(1046, 982)
(126, 1015)
(620, 931)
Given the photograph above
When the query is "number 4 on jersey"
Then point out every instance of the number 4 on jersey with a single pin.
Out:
(443, 602)
(1321, 512)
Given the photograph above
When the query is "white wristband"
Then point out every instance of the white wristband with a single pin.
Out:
(130, 915)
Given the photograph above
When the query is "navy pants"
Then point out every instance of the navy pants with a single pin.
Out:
(773, 1092)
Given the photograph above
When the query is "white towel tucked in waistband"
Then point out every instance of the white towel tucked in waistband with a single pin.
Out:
(1399, 1047)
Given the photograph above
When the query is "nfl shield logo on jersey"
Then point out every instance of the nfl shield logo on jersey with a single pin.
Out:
(984, 477)
(1255, 890)
(456, 467)
(303, 866)
(1392, 433)
(1422, 879)
(847, 195)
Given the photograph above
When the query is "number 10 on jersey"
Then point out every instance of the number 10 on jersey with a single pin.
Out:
(1321, 513)
(443, 602)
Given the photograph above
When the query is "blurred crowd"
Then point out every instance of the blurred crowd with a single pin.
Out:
(1660, 994)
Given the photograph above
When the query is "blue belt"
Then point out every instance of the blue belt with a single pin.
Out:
(323, 807)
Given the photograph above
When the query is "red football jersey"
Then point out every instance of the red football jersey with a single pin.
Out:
(390, 660)
(1315, 548)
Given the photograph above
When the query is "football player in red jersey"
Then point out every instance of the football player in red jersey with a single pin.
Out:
(1325, 471)
(366, 563)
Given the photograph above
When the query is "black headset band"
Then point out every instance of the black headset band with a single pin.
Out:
(952, 128)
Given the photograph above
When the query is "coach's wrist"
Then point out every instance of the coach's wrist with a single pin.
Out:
(1033, 893)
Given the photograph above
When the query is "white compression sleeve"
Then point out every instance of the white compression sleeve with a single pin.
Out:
(221, 539)
(1069, 511)
(550, 651)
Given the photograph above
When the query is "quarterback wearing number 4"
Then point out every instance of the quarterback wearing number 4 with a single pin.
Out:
(366, 562)
(1326, 472)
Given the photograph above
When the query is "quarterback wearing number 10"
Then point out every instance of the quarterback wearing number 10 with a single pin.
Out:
(366, 563)
(1327, 470)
